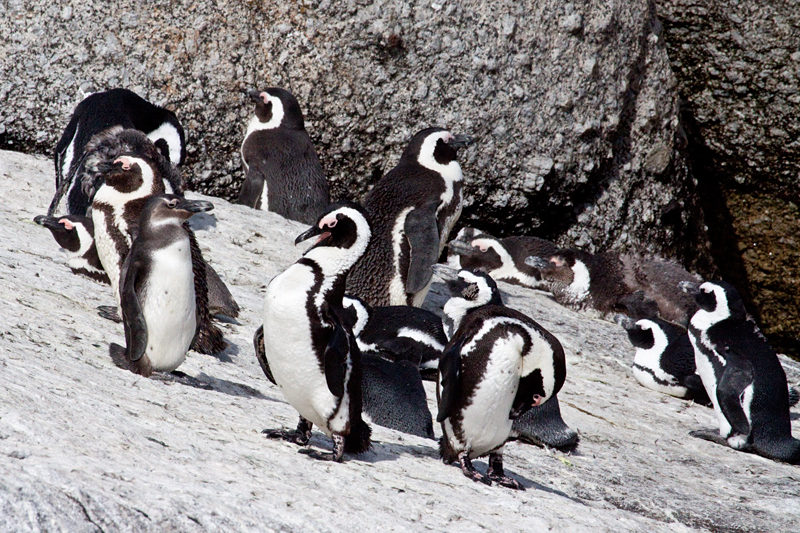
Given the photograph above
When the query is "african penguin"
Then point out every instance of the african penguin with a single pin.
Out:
(129, 169)
(94, 115)
(158, 289)
(412, 208)
(283, 173)
(498, 364)
(503, 259)
(398, 332)
(742, 375)
(75, 235)
(609, 282)
(542, 425)
(310, 349)
(664, 359)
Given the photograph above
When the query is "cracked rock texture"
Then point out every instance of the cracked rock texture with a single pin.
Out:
(85, 446)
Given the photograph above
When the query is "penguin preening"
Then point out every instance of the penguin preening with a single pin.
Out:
(664, 359)
(742, 375)
(94, 115)
(75, 235)
(503, 259)
(310, 350)
(129, 170)
(412, 209)
(498, 364)
(158, 289)
(541, 425)
(609, 283)
(283, 173)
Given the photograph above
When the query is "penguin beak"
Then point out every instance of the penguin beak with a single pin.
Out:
(194, 206)
(49, 222)
(460, 248)
(624, 321)
(313, 231)
(461, 141)
(538, 262)
(444, 271)
(255, 96)
(689, 287)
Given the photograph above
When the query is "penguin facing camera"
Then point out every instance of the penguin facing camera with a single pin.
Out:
(310, 350)
(283, 173)
(412, 209)
(498, 364)
(93, 116)
(742, 375)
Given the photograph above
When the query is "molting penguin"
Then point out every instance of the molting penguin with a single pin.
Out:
(412, 208)
(75, 235)
(664, 359)
(310, 350)
(541, 425)
(503, 259)
(609, 282)
(158, 289)
(498, 364)
(129, 170)
(742, 375)
(283, 172)
(398, 332)
(94, 115)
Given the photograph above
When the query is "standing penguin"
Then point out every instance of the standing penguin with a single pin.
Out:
(283, 173)
(75, 235)
(503, 259)
(664, 359)
(498, 365)
(95, 114)
(412, 208)
(158, 289)
(742, 375)
(310, 350)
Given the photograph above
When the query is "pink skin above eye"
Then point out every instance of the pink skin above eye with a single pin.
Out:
(126, 162)
(537, 400)
(265, 97)
(67, 224)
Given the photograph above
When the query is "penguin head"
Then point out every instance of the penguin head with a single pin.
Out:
(474, 288)
(477, 250)
(640, 333)
(164, 209)
(276, 107)
(170, 139)
(356, 313)
(717, 301)
(71, 232)
(434, 148)
(343, 233)
(559, 267)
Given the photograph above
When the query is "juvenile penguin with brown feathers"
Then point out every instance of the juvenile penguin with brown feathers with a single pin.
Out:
(94, 115)
(412, 208)
(310, 350)
(159, 307)
(283, 173)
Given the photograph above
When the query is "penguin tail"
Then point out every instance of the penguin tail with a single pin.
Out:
(446, 452)
(209, 340)
(357, 441)
(118, 356)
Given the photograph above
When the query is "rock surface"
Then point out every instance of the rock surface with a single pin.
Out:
(85, 446)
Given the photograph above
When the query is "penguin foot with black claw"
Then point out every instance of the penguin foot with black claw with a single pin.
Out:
(336, 456)
(737, 442)
(109, 312)
(469, 470)
(495, 473)
(299, 436)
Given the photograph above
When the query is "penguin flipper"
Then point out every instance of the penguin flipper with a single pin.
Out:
(252, 187)
(450, 370)
(422, 232)
(336, 355)
(132, 316)
(738, 375)
(261, 353)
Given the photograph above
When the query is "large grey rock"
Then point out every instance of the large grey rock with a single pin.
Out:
(738, 66)
(85, 446)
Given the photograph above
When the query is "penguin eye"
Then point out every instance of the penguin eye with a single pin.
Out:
(172, 204)
(332, 223)
(470, 292)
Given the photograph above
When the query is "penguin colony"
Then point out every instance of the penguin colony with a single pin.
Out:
(343, 336)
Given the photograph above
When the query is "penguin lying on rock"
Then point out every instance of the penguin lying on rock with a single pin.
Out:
(75, 235)
(310, 350)
(609, 282)
(95, 115)
(412, 209)
(158, 289)
(498, 364)
(664, 359)
(283, 173)
(742, 375)
(503, 259)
